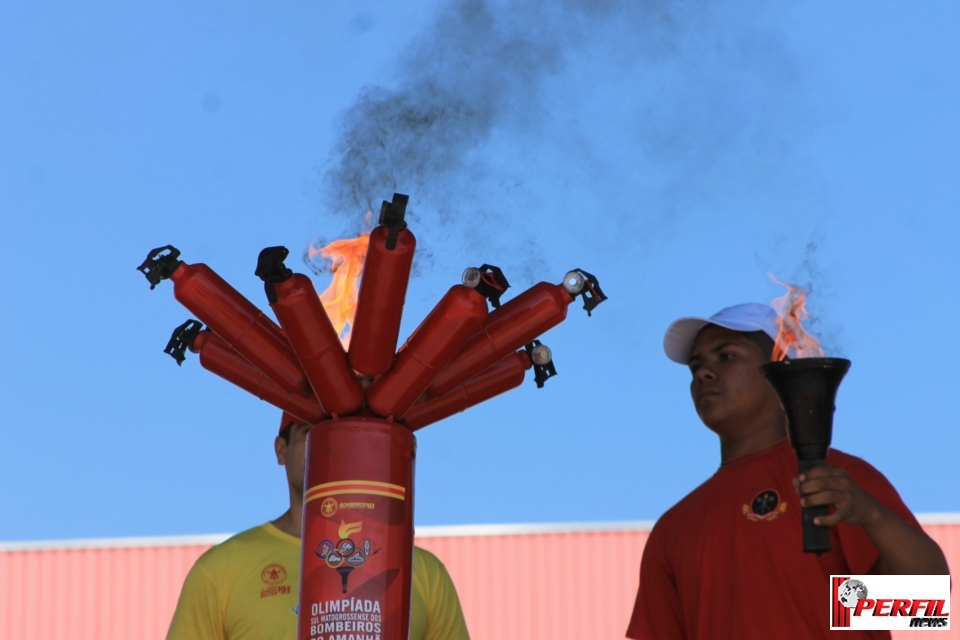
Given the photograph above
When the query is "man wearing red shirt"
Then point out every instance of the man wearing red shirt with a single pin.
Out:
(726, 561)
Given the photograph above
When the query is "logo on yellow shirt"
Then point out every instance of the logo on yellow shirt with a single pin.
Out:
(273, 574)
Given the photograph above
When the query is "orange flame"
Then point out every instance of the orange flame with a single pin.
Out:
(346, 265)
(792, 308)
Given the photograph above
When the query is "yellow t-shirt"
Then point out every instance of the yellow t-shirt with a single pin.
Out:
(246, 588)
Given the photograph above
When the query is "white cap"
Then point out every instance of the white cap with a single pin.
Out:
(751, 316)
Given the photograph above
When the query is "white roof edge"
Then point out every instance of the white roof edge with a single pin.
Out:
(938, 518)
(116, 543)
(430, 531)
(462, 530)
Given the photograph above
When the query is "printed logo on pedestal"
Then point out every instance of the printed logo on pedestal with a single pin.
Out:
(328, 507)
(889, 602)
(344, 556)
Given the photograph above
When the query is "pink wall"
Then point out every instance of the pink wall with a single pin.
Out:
(576, 585)
(556, 585)
(91, 594)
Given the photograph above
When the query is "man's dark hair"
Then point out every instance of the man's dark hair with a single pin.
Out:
(285, 433)
(762, 340)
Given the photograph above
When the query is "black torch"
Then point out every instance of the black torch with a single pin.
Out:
(807, 388)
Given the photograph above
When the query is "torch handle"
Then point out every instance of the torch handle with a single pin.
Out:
(816, 539)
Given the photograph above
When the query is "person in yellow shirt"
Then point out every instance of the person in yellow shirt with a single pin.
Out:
(246, 588)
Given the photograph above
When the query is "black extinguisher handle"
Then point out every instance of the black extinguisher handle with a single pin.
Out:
(488, 281)
(392, 217)
(580, 283)
(542, 360)
(816, 538)
(160, 264)
(271, 270)
(182, 339)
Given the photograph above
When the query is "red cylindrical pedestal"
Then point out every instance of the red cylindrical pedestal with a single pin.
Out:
(356, 567)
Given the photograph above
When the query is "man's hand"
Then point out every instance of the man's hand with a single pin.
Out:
(903, 549)
(833, 486)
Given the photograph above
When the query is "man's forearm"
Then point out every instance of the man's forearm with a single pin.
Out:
(903, 549)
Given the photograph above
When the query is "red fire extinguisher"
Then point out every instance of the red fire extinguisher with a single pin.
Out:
(383, 289)
(356, 566)
(517, 322)
(234, 318)
(301, 314)
(434, 343)
(217, 357)
(498, 378)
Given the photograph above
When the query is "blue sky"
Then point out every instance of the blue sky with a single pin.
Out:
(679, 155)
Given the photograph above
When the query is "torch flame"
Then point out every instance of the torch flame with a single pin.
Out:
(793, 311)
(347, 529)
(346, 265)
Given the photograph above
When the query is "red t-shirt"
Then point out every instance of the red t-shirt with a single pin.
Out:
(727, 561)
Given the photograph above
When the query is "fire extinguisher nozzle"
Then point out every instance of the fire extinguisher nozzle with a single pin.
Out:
(160, 264)
(182, 339)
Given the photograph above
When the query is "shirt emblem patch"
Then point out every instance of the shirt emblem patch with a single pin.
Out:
(274, 575)
(764, 507)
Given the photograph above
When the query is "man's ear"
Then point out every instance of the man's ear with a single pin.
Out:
(280, 448)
